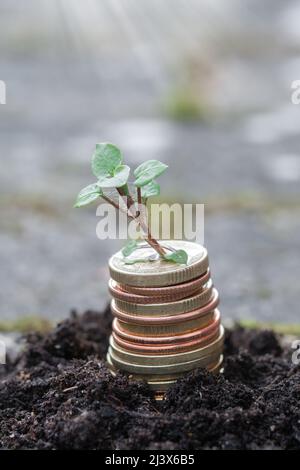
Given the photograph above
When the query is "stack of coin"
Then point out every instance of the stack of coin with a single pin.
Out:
(166, 318)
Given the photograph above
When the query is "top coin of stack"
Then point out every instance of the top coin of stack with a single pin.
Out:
(166, 318)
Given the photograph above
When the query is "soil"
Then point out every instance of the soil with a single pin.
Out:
(58, 394)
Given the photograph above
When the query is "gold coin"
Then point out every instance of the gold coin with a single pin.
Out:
(171, 339)
(159, 273)
(214, 368)
(145, 377)
(168, 308)
(160, 386)
(157, 386)
(168, 359)
(176, 292)
(138, 369)
(121, 294)
(163, 385)
(164, 318)
(169, 328)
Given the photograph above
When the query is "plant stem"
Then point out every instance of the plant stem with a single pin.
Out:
(137, 216)
(116, 205)
(128, 201)
(139, 195)
(139, 200)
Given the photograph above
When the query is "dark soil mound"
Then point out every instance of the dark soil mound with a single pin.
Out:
(60, 395)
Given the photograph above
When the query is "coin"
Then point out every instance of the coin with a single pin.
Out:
(164, 348)
(168, 308)
(158, 340)
(160, 386)
(163, 369)
(130, 299)
(169, 312)
(168, 359)
(164, 326)
(159, 273)
(163, 385)
(145, 377)
(213, 367)
(176, 292)
(169, 329)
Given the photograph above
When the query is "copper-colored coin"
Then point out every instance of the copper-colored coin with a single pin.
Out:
(169, 308)
(170, 328)
(158, 340)
(167, 359)
(164, 320)
(171, 293)
(164, 348)
(130, 298)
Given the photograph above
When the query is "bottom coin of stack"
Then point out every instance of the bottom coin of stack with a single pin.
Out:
(166, 318)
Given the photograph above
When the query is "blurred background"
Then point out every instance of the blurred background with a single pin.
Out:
(204, 86)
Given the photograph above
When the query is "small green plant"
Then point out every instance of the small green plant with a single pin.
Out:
(112, 174)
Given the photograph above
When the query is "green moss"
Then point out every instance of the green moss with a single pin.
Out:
(183, 105)
(264, 293)
(30, 202)
(30, 323)
(236, 202)
(26, 324)
(282, 328)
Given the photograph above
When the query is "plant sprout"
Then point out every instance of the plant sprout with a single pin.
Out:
(108, 167)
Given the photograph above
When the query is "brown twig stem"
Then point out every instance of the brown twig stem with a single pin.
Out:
(137, 216)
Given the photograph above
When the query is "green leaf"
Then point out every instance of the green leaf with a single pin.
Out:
(179, 256)
(147, 171)
(150, 189)
(107, 157)
(88, 194)
(118, 179)
(129, 248)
